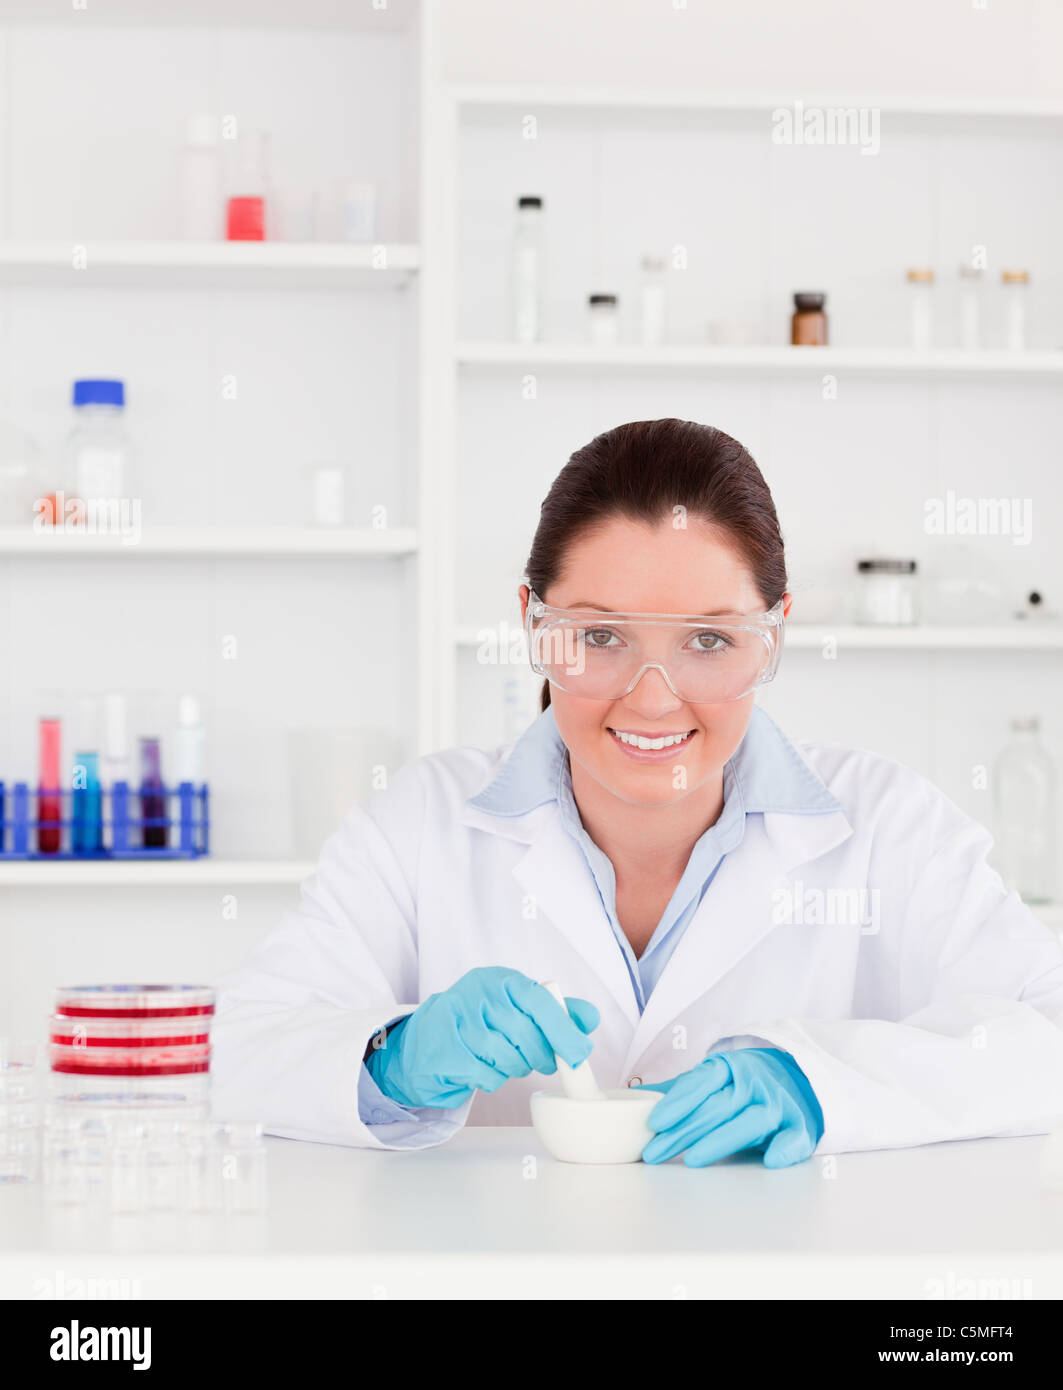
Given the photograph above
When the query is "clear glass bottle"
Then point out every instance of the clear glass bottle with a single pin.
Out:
(528, 272)
(921, 312)
(244, 1168)
(652, 301)
(1024, 791)
(603, 318)
(21, 477)
(1015, 284)
(97, 445)
(970, 307)
(200, 178)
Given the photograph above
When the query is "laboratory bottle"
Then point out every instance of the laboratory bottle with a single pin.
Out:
(921, 308)
(603, 318)
(1024, 803)
(528, 272)
(652, 303)
(970, 307)
(1014, 284)
(808, 326)
(98, 447)
(201, 207)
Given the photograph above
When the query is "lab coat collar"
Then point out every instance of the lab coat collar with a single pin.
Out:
(802, 820)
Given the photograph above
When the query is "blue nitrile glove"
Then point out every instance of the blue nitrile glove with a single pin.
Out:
(492, 1024)
(752, 1098)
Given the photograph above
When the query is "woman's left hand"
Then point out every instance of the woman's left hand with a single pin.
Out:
(752, 1098)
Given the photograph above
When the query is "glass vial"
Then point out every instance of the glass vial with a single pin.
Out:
(152, 794)
(603, 318)
(1024, 801)
(49, 795)
(1015, 283)
(247, 207)
(808, 327)
(970, 307)
(921, 311)
(527, 272)
(200, 193)
(887, 594)
(652, 301)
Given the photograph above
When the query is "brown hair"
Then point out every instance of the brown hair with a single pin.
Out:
(642, 471)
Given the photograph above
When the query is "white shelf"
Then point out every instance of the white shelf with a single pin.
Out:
(360, 16)
(530, 97)
(221, 541)
(761, 361)
(1034, 636)
(186, 873)
(232, 264)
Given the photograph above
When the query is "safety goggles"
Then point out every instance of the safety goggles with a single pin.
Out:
(706, 660)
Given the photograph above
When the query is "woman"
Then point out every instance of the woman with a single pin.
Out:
(801, 946)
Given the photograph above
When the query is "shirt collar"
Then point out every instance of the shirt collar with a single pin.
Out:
(767, 769)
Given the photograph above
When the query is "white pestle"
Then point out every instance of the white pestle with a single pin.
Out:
(578, 1082)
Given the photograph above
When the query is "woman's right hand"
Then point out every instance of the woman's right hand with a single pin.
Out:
(491, 1024)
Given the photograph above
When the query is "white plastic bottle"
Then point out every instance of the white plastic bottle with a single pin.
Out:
(527, 272)
(921, 308)
(1014, 284)
(1024, 798)
(970, 307)
(98, 447)
(652, 301)
(201, 214)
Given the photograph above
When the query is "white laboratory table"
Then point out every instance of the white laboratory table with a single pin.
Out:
(490, 1215)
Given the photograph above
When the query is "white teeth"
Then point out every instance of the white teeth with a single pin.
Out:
(637, 741)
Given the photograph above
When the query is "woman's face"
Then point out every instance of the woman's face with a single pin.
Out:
(637, 567)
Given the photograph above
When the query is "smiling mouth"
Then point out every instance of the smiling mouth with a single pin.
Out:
(652, 745)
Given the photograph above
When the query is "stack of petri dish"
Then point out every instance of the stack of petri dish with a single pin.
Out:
(128, 1124)
(130, 1046)
(20, 1112)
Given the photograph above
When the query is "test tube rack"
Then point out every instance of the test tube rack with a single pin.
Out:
(115, 822)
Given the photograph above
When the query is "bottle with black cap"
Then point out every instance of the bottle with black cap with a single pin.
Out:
(527, 271)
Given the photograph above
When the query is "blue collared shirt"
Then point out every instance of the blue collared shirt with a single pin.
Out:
(766, 773)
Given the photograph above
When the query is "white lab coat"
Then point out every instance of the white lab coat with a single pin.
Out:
(934, 1012)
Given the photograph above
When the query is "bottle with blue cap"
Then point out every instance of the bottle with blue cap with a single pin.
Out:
(99, 449)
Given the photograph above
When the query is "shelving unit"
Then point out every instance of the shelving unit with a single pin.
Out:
(588, 381)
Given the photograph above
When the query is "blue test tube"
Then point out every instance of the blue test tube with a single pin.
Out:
(87, 837)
